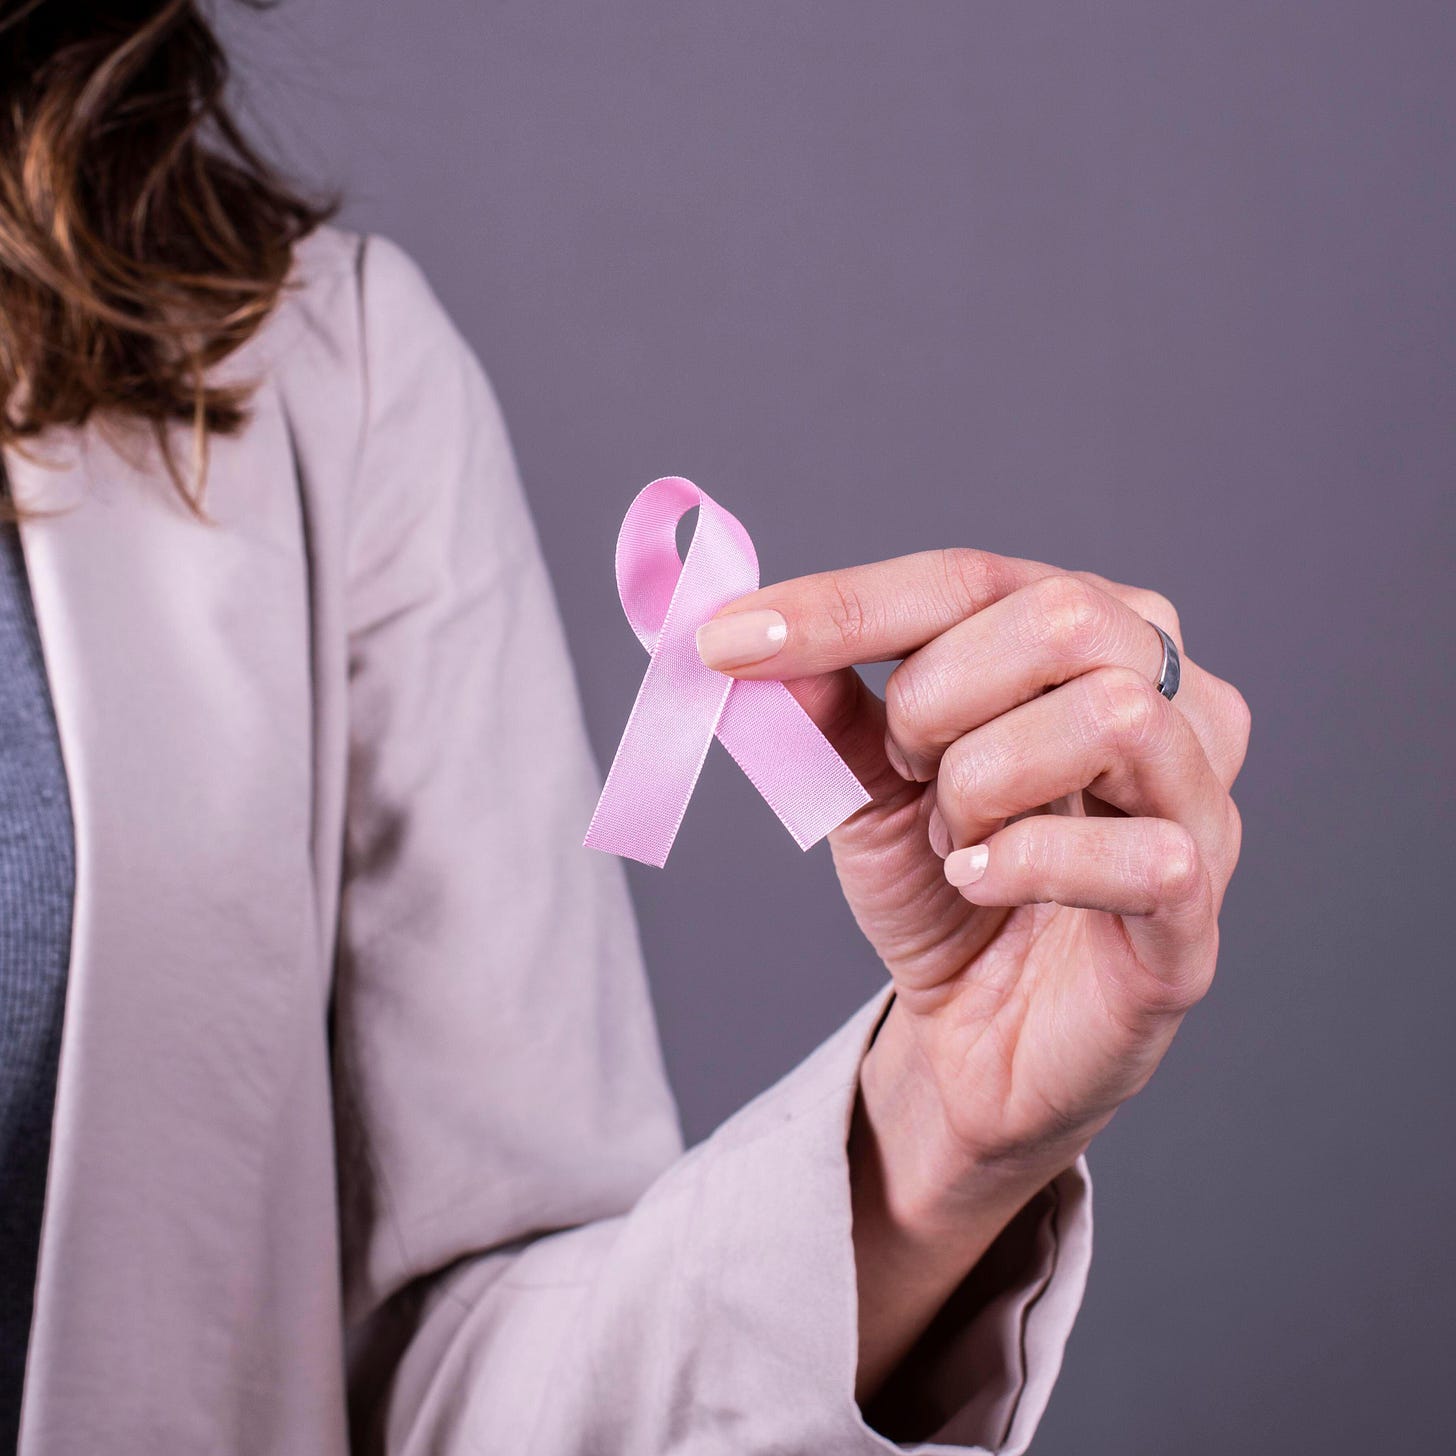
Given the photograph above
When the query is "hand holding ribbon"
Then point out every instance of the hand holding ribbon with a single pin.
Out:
(683, 704)
(1040, 864)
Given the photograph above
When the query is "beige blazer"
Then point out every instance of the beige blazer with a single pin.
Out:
(363, 1140)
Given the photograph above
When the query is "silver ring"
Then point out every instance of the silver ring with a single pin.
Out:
(1172, 672)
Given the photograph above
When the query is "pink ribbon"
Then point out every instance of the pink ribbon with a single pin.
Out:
(683, 704)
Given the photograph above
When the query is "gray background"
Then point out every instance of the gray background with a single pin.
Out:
(1157, 289)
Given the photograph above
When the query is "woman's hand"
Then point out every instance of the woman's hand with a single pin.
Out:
(1040, 869)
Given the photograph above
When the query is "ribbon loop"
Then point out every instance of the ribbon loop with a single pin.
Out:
(683, 704)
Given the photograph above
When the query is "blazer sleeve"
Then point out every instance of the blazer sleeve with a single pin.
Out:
(532, 1262)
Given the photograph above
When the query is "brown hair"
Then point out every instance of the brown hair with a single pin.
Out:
(142, 238)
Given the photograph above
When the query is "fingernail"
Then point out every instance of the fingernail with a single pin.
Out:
(897, 760)
(939, 834)
(741, 638)
(966, 866)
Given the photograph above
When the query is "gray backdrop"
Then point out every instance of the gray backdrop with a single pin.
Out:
(1162, 290)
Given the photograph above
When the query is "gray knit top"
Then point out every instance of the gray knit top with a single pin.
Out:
(37, 876)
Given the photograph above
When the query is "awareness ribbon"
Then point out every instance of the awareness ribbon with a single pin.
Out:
(683, 704)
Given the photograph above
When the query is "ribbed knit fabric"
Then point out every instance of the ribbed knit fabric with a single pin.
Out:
(37, 877)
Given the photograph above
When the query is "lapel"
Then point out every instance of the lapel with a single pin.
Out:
(179, 662)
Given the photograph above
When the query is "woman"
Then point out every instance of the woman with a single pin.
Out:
(333, 1111)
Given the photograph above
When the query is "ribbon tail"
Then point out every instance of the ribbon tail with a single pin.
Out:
(788, 760)
(656, 766)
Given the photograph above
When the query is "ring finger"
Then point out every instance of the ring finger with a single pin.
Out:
(1109, 731)
(1043, 635)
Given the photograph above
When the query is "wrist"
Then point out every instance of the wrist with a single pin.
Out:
(932, 1182)
(925, 1212)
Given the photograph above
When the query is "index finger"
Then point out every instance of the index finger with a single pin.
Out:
(874, 613)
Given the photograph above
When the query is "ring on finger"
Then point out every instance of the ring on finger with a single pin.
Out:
(1172, 670)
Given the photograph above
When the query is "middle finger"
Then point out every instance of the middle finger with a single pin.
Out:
(1038, 637)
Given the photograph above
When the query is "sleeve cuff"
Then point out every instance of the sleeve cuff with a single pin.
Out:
(778, 1237)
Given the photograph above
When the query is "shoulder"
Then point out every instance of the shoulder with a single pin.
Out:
(349, 295)
(360, 339)
(391, 418)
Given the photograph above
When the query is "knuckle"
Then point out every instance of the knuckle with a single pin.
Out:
(1072, 615)
(969, 579)
(1129, 709)
(1025, 856)
(846, 610)
(983, 774)
(1175, 868)
(959, 780)
(1037, 858)
(910, 703)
